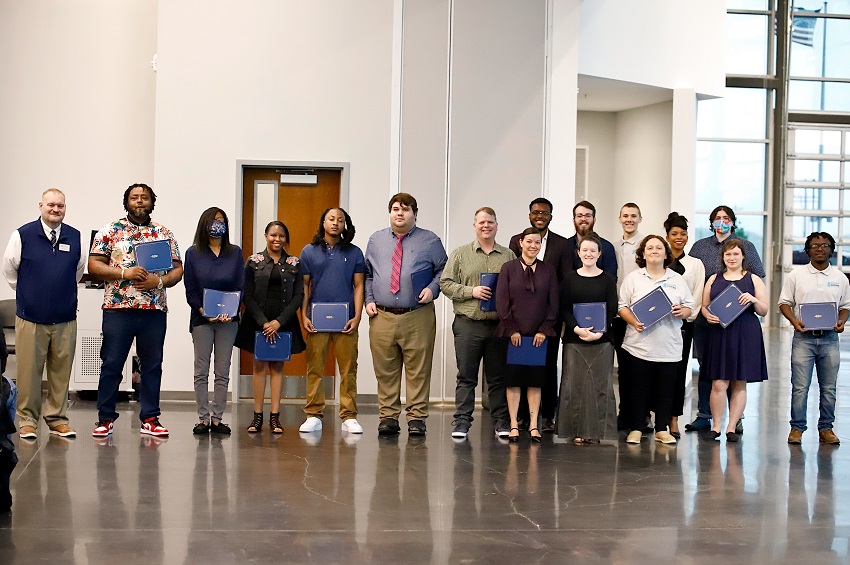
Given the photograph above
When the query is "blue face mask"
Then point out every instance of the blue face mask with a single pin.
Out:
(722, 226)
(218, 229)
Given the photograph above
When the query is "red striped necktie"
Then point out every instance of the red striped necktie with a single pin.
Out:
(395, 280)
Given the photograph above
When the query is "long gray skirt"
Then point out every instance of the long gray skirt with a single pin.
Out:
(588, 409)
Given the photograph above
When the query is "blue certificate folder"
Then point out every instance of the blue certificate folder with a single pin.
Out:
(329, 316)
(420, 279)
(489, 280)
(217, 302)
(154, 256)
(726, 306)
(527, 354)
(591, 315)
(280, 350)
(819, 315)
(653, 307)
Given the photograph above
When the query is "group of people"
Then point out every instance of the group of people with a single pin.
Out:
(522, 297)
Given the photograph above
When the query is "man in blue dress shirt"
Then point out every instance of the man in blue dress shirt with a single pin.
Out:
(403, 268)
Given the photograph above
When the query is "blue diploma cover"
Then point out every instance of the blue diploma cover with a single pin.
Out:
(154, 256)
(650, 309)
(489, 280)
(280, 350)
(527, 354)
(591, 315)
(329, 316)
(819, 315)
(217, 302)
(726, 306)
(420, 279)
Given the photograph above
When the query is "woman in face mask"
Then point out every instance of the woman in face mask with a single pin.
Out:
(212, 263)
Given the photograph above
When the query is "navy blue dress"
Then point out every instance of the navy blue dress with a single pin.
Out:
(735, 353)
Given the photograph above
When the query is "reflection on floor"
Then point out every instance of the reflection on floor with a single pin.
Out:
(334, 498)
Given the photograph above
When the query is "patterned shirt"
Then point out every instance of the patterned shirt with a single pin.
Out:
(117, 241)
(708, 249)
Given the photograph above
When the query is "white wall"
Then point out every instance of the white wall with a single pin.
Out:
(598, 131)
(666, 43)
(643, 163)
(293, 81)
(76, 107)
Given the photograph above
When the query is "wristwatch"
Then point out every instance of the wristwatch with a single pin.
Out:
(160, 286)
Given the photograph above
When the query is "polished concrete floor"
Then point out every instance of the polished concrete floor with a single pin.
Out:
(346, 499)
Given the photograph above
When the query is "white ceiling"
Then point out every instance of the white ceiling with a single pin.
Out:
(605, 95)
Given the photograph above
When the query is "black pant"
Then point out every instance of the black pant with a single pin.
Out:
(8, 461)
(682, 369)
(549, 394)
(650, 388)
(476, 340)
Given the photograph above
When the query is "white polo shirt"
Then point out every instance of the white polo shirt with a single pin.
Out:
(805, 284)
(663, 341)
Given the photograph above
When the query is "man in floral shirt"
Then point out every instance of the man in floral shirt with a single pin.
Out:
(134, 307)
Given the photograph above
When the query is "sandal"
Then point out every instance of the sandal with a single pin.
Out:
(514, 439)
(274, 423)
(535, 438)
(257, 423)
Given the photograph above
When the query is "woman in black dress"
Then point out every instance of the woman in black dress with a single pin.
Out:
(588, 411)
(734, 355)
(272, 295)
(527, 304)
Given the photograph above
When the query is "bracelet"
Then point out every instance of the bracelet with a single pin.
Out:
(122, 272)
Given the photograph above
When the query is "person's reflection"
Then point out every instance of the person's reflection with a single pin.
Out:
(210, 503)
(802, 537)
(149, 506)
(400, 500)
(111, 515)
(57, 499)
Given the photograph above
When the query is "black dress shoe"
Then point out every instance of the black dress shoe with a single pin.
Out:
(711, 435)
(732, 437)
(548, 425)
(416, 428)
(388, 427)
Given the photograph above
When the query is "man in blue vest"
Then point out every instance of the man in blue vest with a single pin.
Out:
(43, 263)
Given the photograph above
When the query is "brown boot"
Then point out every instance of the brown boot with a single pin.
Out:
(828, 436)
(795, 437)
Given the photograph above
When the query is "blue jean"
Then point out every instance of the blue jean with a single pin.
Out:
(208, 339)
(12, 402)
(807, 352)
(120, 327)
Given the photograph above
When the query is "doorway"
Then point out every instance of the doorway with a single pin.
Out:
(296, 195)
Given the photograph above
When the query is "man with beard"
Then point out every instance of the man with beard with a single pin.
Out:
(554, 250)
(584, 218)
(134, 307)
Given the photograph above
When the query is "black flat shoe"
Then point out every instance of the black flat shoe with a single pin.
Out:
(220, 428)
(201, 428)
(711, 435)
(732, 437)
(534, 438)
(514, 439)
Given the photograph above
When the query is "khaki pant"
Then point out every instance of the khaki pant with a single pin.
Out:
(35, 345)
(408, 339)
(345, 351)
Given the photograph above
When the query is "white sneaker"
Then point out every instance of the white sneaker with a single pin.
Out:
(352, 426)
(634, 437)
(311, 424)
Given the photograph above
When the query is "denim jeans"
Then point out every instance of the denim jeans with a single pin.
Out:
(703, 387)
(120, 327)
(476, 340)
(807, 352)
(215, 338)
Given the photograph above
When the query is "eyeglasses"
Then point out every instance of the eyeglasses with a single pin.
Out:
(582, 216)
(539, 213)
(814, 246)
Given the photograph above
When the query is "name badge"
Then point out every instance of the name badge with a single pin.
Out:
(64, 247)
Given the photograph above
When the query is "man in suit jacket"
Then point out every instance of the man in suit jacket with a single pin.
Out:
(555, 250)
(584, 218)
